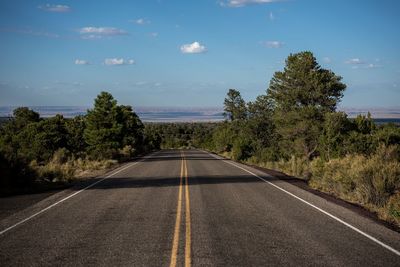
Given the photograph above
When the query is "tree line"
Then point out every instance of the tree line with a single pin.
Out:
(295, 128)
(296, 117)
(28, 142)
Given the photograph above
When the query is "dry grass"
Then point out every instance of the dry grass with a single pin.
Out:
(63, 168)
(297, 167)
(373, 182)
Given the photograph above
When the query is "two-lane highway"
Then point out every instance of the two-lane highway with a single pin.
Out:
(188, 207)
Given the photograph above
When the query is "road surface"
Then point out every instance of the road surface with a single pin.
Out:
(188, 207)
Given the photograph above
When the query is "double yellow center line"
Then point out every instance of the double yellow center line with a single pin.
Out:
(188, 239)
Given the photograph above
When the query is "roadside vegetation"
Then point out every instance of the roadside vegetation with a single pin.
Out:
(39, 152)
(294, 128)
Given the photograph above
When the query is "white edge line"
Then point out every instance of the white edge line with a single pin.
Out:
(72, 195)
(312, 205)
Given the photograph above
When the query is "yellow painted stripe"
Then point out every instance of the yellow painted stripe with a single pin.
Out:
(188, 244)
(175, 242)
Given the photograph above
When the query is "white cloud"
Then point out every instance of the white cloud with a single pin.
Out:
(154, 34)
(241, 3)
(373, 66)
(355, 61)
(118, 61)
(327, 59)
(273, 44)
(100, 32)
(91, 36)
(140, 83)
(81, 62)
(142, 21)
(360, 64)
(193, 48)
(55, 8)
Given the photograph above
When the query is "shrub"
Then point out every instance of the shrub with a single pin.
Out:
(127, 152)
(14, 173)
(379, 176)
(335, 176)
(61, 156)
(392, 210)
(372, 181)
(241, 149)
(63, 168)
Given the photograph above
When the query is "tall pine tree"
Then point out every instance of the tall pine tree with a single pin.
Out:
(301, 94)
(103, 128)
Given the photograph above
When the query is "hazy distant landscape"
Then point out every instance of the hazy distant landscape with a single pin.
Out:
(195, 114)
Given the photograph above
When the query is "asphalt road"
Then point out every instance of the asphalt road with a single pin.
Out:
(188, 207)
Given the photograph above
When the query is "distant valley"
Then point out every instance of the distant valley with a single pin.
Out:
(194, 114)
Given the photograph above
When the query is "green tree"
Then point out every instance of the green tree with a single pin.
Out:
(103, 129)
(242, 148)
(364, 124)
(301, 94)
(132, 129)
(223, 137)
(361, 139)
(261, 129)
(23, 116)
(75, 128)
(260, 120)
(38, 141)
(388, 134)
(235, 106)
(27, 137)
(152, 136)
(335, 131)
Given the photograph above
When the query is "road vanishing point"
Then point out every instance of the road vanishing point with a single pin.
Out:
(192, 208)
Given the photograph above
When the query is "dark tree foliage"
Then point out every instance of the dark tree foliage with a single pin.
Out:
(178, 135)
(38, 141)
(234, 106)
(301, 94)
(335, 132)
(23, 116)
(260, 120)
(388, 134)
(15, 172)
(223, 137)
(303, 83)
(75, 128)
(132, 128)
(103, 129)
(364, 124)
(111, 127)
(107, 131)
(153, 137)
(361, 139)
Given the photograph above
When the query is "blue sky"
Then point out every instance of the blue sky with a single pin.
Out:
(189, 53)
